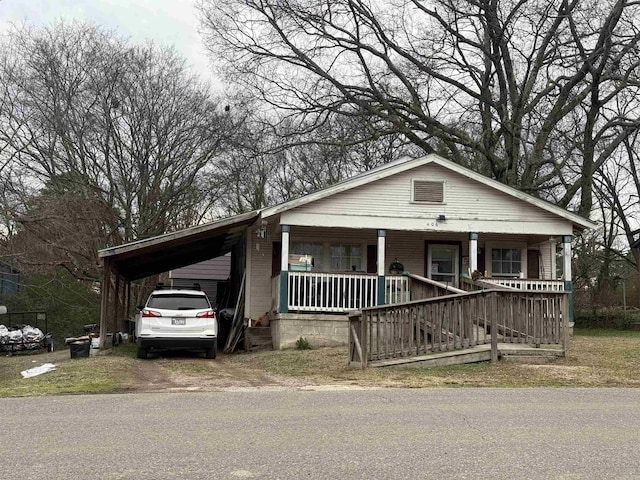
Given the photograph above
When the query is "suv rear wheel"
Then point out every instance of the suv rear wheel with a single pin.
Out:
(211, 352)
(142, 352)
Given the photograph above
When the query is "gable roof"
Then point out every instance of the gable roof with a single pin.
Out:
(404, 164)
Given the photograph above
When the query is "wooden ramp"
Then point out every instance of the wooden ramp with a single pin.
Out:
(480, 353)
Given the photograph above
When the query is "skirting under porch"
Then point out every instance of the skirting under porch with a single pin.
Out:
(320, 330)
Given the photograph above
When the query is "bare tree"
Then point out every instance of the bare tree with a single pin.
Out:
(264, 167)
(62, 227)
(618, 191)
(129, 123)
(494, 85)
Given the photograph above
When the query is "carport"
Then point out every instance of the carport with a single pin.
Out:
(126, 263)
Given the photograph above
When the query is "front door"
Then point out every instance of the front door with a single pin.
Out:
(443, 264)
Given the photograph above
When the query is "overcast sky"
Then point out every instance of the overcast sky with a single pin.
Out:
(166, 22)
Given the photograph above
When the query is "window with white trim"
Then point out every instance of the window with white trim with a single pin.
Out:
(346, 257)
(506, 262)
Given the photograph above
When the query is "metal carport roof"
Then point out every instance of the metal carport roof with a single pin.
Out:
(173, 250)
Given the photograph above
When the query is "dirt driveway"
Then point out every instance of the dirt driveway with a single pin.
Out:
(182, 373)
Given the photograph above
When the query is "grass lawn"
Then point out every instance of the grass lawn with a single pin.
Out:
(99, 374)
(596, 358)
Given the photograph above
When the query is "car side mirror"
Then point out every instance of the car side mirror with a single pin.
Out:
(140, 308)
(3, 309)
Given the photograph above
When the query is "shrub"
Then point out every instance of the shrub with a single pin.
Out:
(302, 344)
(610, 318)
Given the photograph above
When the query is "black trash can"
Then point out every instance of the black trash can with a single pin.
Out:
(225, 319)
(79, 350)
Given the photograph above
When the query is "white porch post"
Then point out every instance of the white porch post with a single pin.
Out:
(473, 251)
(382, 234)
(284, 269)
(566, 259)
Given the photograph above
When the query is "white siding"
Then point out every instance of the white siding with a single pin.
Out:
(213, 269)
(468, 206)
(259, 285)
(546, 272)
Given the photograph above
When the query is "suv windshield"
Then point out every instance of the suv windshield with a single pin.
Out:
(178, 301)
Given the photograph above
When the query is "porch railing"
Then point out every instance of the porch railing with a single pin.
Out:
(469, 285)
(528, 284)
(340, 292)
(397, 290)
(422, 287)
(456, 322)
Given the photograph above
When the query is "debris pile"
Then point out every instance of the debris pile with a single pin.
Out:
(23, 337)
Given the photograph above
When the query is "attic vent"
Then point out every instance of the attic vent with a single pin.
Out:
(427, 191)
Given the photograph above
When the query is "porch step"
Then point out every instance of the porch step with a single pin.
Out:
(258, 338)
(521, 354)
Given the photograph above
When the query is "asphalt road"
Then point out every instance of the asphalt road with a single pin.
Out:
(369, 434)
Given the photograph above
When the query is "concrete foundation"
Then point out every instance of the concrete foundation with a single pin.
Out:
(317, 329)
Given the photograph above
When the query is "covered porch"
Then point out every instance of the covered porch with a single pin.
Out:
(326, 273)
(338, 270)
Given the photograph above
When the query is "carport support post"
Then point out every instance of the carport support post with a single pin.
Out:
(104, 302)
(284, 270)
(473, 251)
(382, 287)
(118, 304)
(566, 258)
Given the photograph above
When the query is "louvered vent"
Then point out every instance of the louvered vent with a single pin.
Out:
(425, 191)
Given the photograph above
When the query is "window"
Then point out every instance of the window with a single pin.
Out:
(316, 250)
(346, 257)
(428, 191)
(178, 301)
(506, 262)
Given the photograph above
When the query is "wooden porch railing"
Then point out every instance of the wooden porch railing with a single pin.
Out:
(398, 289)
(528, 284)
(469, 285)
(341, 292)
(456, 322)
(422, 287)
(331, 292)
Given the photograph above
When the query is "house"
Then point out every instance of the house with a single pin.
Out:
(211, 275)
(9, 278)
(361, 243)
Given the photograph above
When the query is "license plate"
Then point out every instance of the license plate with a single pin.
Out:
(178, 321)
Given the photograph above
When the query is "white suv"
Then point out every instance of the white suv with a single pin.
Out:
(177, 319)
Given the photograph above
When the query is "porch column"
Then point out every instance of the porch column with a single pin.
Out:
(566, 259)
(554, 269)
(284, 270)
(473, 251)
(382, 234)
